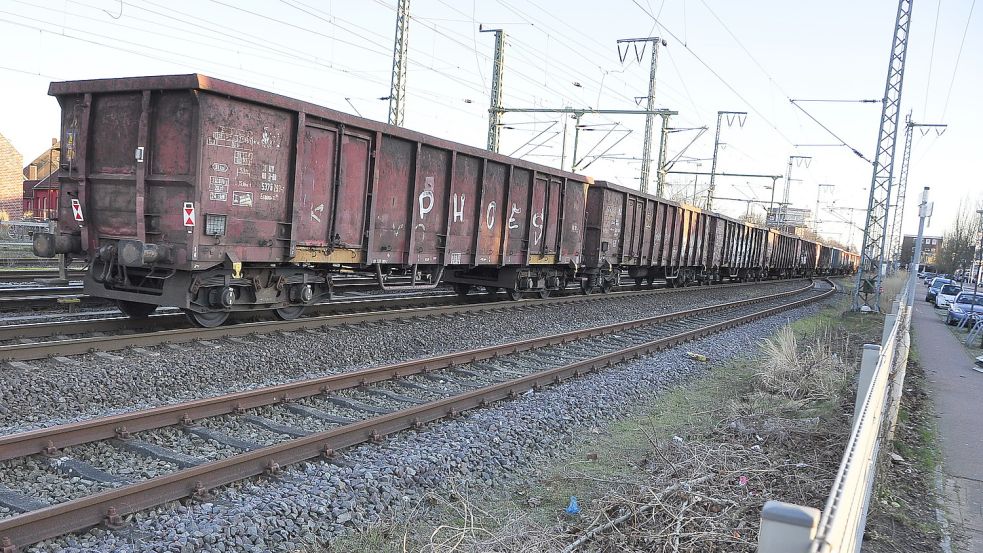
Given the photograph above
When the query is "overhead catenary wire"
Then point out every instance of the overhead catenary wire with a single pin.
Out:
(720, 78)
(931, 57)
(181, 58)
(959, 55)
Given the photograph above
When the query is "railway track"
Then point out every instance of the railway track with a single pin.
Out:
(28, 275)
(54, 340)
(48, 297)
(315, 418)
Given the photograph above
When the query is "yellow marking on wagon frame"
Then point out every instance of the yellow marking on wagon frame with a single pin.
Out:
(318, 255)
(547, 259)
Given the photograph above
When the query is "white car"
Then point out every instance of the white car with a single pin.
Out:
(947, 293)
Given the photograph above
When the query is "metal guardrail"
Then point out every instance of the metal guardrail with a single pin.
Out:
(839, 527)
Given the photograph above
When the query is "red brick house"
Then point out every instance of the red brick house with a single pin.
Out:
(40, 188)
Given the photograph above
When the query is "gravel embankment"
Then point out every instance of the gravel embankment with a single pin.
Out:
(51, 392)
(316, 501)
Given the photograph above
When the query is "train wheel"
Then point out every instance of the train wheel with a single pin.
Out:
(606, 285)
(135, 309)
(461, 289)
(491, 290)
(211, 319)
(544, 293)
(514, 294)
(289, 313)
(638, 282)
(586, 287)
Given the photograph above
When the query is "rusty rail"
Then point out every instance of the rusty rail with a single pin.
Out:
(92, 510)
(355, 311)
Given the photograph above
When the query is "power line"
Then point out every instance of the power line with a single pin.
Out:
(746, 51)
(715, 74)
(931, 57)
(958, 57)
(183, 57)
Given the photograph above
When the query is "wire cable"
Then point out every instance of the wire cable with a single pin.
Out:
(958, 57)
(715, 74)
(931, 57)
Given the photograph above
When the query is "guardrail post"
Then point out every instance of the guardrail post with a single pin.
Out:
(787, 528)
(868, 366)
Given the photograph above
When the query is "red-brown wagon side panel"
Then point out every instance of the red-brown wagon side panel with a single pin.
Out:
(348, 228)
(246, 172)
(537, 217)
(490, 221)
(464, 213)
(648, 228)
(429, 212)
(593, 224)
(572, 231)
(314, 191)
(517, 219)
(552, 217)
(172, 148)
(390, 214)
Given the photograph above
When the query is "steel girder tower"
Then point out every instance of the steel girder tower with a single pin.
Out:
(868, 289)
(495, 109)
(397, 89)
(894, 252)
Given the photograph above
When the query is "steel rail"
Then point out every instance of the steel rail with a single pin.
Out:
(23, 291)
(29, 275)
(174, 320)
(420, 306)
(57, 437)
(46, 300)
(111, 505)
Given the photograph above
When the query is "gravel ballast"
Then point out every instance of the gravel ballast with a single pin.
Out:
(316, 501)
(51, 392)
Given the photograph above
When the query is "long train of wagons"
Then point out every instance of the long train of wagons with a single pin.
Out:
(213, 197)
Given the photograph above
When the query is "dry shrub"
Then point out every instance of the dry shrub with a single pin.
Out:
(814, 373)
(891, 286)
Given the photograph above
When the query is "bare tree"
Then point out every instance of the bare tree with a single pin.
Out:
(960, 240)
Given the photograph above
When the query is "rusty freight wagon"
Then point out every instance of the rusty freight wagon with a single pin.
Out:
(649, 237)
(654, 238)
(213, 197)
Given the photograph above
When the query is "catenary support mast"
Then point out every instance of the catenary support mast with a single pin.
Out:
(397, 89)
(867, 293)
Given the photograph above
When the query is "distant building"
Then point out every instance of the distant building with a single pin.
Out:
(40, 196)
(930, 248)
(11, 180)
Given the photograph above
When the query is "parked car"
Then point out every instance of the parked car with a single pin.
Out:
(966, 304)
(934, 288)
(928, 278)
(946, 294)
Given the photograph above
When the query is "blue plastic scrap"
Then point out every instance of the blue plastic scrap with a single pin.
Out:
(573, 508)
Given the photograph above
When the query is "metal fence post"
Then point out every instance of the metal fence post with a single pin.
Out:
(868, 366)
(787, 528)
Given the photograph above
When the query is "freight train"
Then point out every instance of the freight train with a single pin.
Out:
(209, 196)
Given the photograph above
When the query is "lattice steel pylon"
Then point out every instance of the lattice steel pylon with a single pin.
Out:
(495, 106)
(896, 218)
(894, 251)
(397, 88)
(868, 289)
